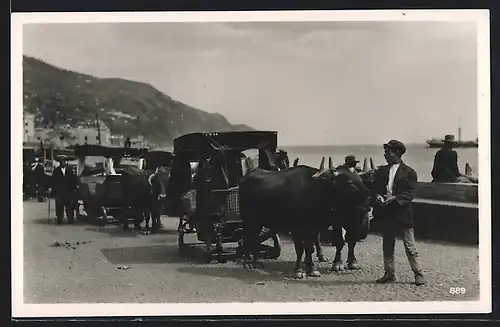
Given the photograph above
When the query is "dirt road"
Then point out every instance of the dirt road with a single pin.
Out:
(88, 270)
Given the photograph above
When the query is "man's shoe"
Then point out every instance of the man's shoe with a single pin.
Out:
(386, 279)
(419, 280)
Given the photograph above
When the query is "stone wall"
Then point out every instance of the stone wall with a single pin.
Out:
(455, 192)
(443, 213)
(443, 221)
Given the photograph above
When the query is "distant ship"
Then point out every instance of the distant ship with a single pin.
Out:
(437, 143)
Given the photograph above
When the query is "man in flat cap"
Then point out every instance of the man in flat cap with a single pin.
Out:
(393, 191)
(351, 163)
(445, 169)
(64, 186)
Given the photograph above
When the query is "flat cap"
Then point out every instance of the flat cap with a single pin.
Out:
(351, 158)
(61, 157)
(396, 145)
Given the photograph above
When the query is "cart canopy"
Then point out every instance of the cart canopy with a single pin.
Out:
(158, 158)
(201, 143)
(94, 150)
(218, 160)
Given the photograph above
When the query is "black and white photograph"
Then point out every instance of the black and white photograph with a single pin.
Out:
(240, 163)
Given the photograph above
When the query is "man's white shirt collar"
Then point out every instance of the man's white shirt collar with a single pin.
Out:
(392, 174)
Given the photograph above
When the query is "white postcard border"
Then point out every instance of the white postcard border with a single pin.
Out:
(483, 305)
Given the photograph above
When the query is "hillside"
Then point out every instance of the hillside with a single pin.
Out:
(126, 107)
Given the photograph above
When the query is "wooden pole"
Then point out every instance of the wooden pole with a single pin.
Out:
(98, 128)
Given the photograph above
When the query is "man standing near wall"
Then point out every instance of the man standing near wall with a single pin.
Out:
(393, 191)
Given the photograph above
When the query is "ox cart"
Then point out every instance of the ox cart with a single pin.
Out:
(158, 158)
(203, 189)
(106, 190)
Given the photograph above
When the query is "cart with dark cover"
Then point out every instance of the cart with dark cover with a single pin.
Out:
(206, 201)
(112, 193)
(158, 158)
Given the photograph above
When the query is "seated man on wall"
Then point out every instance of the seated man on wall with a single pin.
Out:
(445, 169)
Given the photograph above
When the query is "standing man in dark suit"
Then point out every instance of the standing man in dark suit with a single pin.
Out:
(128, 143)
(445, 169)
(64, 187)
(393, 191)
(157, 183)
(38, 171)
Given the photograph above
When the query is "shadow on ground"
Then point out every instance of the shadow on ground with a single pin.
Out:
(278, 271)
(52, 221)
(161, 231)
(159, 254)
(116, 231)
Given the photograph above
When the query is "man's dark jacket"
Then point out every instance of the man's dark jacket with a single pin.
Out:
(39, 172)
(64, 186)
(400, 210)
(445, 169)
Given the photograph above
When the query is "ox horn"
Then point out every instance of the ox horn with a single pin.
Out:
(80, 166)
(330, 163)
(322, 164)
(372, 165)
(468, 169)
(296, 162)
(365, 165)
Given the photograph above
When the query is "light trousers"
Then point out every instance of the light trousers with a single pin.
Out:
(389, 240)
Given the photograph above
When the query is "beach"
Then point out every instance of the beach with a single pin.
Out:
(418, 156)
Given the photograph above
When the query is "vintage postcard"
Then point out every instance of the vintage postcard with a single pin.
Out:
(239, 163)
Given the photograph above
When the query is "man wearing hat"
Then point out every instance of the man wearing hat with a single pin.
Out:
(38, 171)
(157, 182)
(393, 191)
(350, 216)
(445, 169)
(351, 163)
(64, 186)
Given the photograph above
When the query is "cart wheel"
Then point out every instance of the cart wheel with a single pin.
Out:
(208, 251)
(274, 252)
(180, 240)
(239, 249)
(78, 210)
(220, 258)
(81, 207)
(104, 221)
(179, 226)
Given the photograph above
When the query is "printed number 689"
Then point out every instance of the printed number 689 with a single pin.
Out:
(457, 290)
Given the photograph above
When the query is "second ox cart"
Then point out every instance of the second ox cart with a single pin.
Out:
(203, 189)
(113, 192)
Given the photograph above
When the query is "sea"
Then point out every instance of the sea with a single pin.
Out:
(417, 156)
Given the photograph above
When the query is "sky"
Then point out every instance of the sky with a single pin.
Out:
(317, 83)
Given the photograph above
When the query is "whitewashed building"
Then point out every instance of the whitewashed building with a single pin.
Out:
(29, 127)
(89, 135)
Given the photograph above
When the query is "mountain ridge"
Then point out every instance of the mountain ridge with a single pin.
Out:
(59, 96)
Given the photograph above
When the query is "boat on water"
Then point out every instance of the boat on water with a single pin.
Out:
(438, 143)
(434, 143)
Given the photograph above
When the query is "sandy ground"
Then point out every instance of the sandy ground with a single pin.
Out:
(89, 271)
